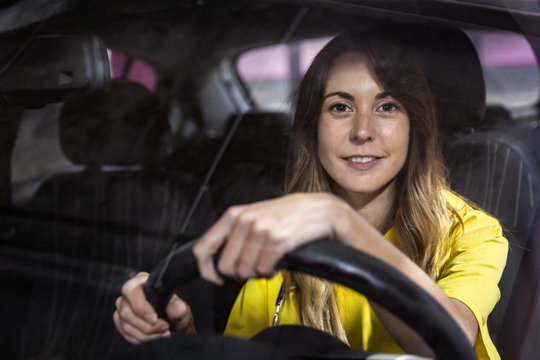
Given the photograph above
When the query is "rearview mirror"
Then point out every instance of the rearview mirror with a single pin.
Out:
(51, 68)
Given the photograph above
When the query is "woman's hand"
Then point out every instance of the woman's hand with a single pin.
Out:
(137, 321)
(254, 237)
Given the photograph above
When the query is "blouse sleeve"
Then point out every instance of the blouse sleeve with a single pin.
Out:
(471, 272)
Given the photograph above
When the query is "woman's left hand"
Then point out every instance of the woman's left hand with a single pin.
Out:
(256, 236)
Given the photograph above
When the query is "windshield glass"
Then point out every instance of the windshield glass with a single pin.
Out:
(131, 128)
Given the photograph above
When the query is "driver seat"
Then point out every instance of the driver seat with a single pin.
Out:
(499, 174)
(493, 170)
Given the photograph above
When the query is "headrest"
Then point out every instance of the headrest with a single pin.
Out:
(260, 134)
(120, 126)
(454, 75)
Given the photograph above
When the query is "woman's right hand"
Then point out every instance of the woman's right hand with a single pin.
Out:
(137, 321)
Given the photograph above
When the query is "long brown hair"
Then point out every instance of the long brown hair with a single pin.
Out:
(421, 216)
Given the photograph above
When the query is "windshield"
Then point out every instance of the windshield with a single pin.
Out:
(130, 129)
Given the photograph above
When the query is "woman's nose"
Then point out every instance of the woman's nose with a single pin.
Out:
(362, 128)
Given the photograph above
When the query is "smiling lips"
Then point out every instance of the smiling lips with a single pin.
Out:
(362, 162)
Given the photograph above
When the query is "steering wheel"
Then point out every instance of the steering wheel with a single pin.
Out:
(342, 264)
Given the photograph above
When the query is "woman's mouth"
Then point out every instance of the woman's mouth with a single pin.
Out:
(362, 162)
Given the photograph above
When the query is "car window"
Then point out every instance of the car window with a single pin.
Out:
(137, 70)
(271, 73)
(36, 152)
(510, 68)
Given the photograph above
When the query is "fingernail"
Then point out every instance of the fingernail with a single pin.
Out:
(151, 318)
(166, 334)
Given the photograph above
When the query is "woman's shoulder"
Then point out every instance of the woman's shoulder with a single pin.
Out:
(459, 203)
(472, 223)
(468, 211)
(476, 246)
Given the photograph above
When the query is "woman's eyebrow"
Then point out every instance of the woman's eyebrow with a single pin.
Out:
(340, 94)
(348, 96)
(382, 95)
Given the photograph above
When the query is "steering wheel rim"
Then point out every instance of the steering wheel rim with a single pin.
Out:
(347, 266)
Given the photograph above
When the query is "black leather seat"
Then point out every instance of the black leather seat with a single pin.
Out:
(500, 119)
(494, 170)
(251, 168)
(94, 228)
(500, 175)
(120, 138)
(253, 165)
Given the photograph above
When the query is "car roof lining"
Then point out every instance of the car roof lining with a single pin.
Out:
(495, 13)
(97, 12)
(192, 36)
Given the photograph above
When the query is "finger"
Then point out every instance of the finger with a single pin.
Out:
(118, 323)
(204, 253)
(180, 315)
(211, 242)
(251, 253)
(126, 331)
(274, 248)
(176, 308)
(132, 340)
(134, 333)
(133, 295)
(239, 236)
(127, 316)
(266, 265)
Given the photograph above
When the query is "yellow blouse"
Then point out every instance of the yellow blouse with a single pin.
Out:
(469, 272)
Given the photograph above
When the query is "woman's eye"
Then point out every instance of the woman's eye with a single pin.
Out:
(339, 107)
(388, 107)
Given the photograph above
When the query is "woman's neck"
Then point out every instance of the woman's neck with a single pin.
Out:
(377, 208)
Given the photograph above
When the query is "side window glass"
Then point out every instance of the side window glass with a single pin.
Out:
(136, 70)
(36, 152)
(510, 70)
(272, 73)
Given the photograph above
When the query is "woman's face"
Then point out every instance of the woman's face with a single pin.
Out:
(363, 134)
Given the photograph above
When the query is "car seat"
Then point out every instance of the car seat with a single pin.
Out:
(489, 167)
(253, 164)
(92, 229)
(248, 165)
(120, 137)
(498, 173)
(528, 133)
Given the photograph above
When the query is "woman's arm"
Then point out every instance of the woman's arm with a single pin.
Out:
(254, 237)
(354, 231)
(408, 339)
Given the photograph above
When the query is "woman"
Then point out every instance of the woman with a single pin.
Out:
(364, 161)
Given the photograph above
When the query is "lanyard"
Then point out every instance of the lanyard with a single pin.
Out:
(279, 301)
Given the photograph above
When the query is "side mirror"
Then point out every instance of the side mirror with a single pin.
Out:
(52, 68)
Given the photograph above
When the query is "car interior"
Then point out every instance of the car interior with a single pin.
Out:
(115, 173)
